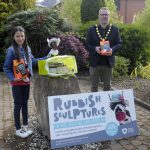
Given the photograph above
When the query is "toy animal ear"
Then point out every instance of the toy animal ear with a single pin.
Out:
(47, 40)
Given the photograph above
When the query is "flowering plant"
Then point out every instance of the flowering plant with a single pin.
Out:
(71, 45)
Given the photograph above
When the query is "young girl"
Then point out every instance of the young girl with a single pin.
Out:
(18, 68)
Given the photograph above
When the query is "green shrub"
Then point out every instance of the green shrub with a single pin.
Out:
(83, 28)
(141, 71)
(121, 67)
(135, 45)
(71, 45)
(39, 24)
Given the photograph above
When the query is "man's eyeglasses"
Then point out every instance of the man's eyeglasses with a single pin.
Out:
(104, 15)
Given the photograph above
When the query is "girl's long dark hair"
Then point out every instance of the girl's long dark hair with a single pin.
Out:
(16, 46)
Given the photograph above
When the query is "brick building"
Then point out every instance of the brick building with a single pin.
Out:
(129, 8)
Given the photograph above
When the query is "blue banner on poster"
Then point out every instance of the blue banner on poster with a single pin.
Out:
(90, 117)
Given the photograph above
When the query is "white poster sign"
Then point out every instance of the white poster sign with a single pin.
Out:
(89, 117)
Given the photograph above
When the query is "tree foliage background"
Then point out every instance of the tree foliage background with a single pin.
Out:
(39, 24)
(23, 4)
(114, 16)
(143, 18)
(79, 12)
(89, 9)
(7, 8)
(70, 11)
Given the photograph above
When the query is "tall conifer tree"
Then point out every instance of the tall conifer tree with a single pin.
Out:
(89, 9)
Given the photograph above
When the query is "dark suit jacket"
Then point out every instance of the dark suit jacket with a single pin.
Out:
(93, 40)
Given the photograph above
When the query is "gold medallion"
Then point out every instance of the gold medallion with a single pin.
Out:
(99, 35)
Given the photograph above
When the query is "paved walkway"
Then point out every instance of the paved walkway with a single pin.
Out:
(141, 142)
(6, 107)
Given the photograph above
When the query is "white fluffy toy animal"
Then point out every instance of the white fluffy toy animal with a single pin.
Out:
(53, 43)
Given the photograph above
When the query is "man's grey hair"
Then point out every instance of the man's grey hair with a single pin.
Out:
(104, 8)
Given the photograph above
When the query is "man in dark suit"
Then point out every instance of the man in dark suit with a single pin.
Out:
(102, 42)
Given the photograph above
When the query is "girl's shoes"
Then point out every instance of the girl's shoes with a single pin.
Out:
(21, 133)
(27, 130)
(24, 132)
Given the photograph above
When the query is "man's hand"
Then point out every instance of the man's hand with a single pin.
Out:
(97, 48)
(109, 53)
(106, 53)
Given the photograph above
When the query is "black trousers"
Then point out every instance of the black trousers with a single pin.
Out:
(100, 72)
(21, 96)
